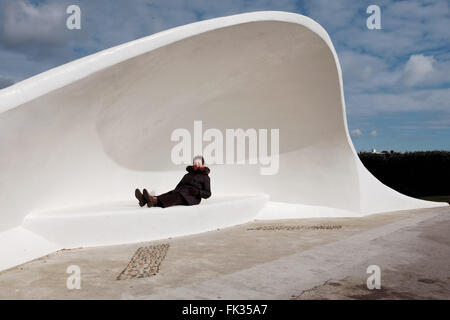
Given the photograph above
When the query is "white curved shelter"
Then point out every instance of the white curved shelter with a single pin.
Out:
(76, 140)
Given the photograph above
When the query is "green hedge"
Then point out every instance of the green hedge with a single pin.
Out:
(417, 174)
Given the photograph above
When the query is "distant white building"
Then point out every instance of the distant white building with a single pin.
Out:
(375, 151)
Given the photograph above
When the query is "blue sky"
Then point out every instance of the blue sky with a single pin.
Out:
(396, 80)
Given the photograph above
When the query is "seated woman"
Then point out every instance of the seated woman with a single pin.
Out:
(189, 191)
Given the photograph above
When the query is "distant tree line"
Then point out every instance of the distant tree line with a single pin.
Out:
(416, 174)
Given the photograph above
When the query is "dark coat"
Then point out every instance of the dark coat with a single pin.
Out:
(197, 179)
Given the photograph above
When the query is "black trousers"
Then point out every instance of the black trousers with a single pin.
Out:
(169, 199)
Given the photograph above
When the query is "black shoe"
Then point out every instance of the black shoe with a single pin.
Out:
(140, 197)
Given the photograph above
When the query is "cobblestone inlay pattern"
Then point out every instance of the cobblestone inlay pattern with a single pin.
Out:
(145, 262)
(290, 228)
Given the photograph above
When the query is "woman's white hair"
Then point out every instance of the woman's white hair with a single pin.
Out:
(199, 157)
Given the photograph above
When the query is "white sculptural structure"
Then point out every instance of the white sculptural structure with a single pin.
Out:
(76, 140)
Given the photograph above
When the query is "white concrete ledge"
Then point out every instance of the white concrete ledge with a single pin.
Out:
(126, 222)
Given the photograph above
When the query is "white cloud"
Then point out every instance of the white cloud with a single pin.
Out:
(373, 133)
(417, 69)
(372, 86)
(366, 104)
(407, 26)
(364, 71)
(367, 72)
(333, 14)
(25, 24)
(356, 133)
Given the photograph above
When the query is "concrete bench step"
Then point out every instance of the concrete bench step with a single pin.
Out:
(125, 222)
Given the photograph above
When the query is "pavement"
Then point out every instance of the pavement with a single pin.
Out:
(323, 258)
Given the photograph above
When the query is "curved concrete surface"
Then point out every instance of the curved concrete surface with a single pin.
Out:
(92, 130)
(124, 222)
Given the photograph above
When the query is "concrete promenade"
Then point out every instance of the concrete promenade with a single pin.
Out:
(324, 258)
